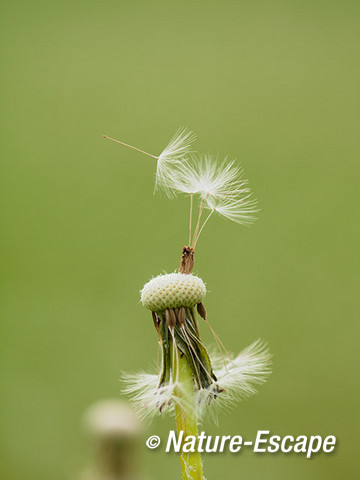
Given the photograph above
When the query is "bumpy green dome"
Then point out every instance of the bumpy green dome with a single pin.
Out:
(172, 290)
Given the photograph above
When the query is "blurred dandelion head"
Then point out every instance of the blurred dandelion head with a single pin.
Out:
(111, 418)
(115, 430)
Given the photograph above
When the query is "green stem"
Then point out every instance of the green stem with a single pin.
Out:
(186, 418)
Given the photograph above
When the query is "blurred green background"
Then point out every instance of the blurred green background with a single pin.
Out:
(274, 84)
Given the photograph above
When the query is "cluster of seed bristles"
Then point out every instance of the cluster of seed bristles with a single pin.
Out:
(178, 329)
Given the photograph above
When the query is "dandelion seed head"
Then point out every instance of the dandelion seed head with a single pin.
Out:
(173, 290)
(111, 418)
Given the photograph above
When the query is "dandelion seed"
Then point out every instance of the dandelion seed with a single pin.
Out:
(222, 189)
(237, 379)
(241, 210)
(204, 176)
(170, 158)
(148, 398)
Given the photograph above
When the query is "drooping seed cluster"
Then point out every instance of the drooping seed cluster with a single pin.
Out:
(173, 300)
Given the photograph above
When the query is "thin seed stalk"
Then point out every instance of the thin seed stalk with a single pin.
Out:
(186, 418)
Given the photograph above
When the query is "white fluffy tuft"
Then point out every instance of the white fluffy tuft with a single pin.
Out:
(222, 187)
(203, 175)
(238, 378)
(149, 399)
(241, 209)
(171, 157)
